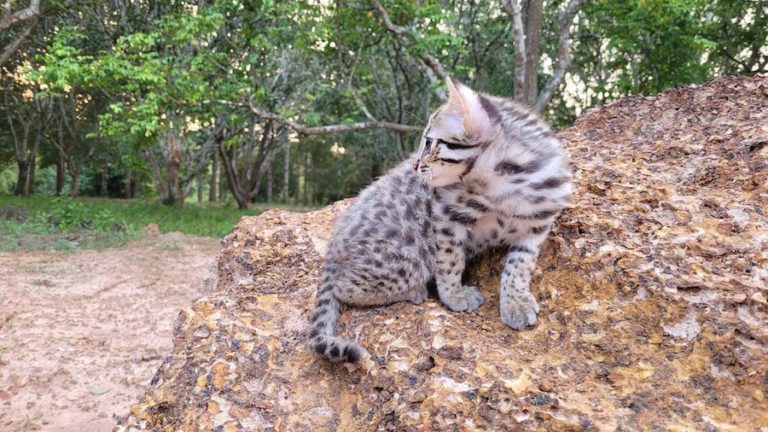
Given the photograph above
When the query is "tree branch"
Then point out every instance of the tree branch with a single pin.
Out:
(331, 129)
(355, 96)
(396, 29)
(512, 7)
(25, 14)
(435, 70)
(434, 65)
(14, 46)
(563, 53)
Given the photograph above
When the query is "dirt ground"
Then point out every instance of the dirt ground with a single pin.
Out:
(81, 333)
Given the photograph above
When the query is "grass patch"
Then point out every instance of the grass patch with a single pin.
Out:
(45, 223)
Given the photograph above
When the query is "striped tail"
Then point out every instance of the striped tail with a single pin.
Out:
(322, 338)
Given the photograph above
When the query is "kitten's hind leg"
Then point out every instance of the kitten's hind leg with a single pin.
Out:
(418, 295)
(379, 290)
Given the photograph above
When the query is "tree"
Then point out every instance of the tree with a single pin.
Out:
(308, 93)
(24, 115)
(740, 32)
(528, 52)
(24, 17)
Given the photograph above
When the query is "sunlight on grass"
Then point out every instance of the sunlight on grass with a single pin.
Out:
(40, 223)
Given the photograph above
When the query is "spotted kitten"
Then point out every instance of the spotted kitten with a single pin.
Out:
(489, 173)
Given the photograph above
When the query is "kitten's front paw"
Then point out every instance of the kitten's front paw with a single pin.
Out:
(466, 299)
(520, 311)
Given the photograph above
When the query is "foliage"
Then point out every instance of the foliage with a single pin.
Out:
(151, 93)
(63, 215)
(35, 223)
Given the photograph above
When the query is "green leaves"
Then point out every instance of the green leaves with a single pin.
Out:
(651, 44)
(188, 69)
(63, 65)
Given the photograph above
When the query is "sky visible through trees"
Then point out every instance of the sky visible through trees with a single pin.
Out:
(305, 102)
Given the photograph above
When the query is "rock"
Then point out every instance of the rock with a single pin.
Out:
(152, 230)
(669, 221)
(545, 386)
(687, 329)
(759, 297)
(98, 391)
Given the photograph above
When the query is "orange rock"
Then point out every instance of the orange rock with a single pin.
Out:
(636, 285)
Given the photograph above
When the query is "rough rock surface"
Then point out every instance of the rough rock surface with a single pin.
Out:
(652, 288)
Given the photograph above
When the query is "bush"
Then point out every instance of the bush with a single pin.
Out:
(68, 214)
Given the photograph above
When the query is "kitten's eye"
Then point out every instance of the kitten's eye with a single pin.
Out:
(427, 147)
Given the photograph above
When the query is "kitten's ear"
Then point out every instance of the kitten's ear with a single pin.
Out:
(465, 103)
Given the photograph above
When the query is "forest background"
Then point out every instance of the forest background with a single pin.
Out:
(210, 106)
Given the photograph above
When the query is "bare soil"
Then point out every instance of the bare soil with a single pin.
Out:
(82, 333)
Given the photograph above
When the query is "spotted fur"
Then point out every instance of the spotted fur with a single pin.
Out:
(488, 173)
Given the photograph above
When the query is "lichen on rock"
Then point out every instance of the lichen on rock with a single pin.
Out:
(652, 290)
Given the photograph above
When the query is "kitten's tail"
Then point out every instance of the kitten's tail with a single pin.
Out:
(321, 338)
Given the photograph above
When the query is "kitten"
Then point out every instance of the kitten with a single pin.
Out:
(488, 173)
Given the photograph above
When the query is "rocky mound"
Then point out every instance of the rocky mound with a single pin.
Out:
(652, 290)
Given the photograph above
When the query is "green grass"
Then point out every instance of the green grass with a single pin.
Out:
(43, 223)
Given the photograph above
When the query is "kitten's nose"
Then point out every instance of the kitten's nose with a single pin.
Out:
(416, 166)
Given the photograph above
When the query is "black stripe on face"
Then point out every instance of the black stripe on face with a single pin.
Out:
(549, 183)
(455, 145)
(508, 167)
(449, 160)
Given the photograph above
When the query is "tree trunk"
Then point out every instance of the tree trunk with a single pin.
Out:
(307, 163)
(244, 202)
(270, 181)
(286, 172)
(128, 181)
(25, 184)
(512, 8)
(532, 33)
(74, 187)
(60, 174)
(222, 184)
(173, 168)
(200, 188)
(242, 196)
(212, 194)
(22, 180)
(175, 191)
(32, 169)
(297, 176)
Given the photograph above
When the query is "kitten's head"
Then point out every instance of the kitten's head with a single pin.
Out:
(455, 135)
